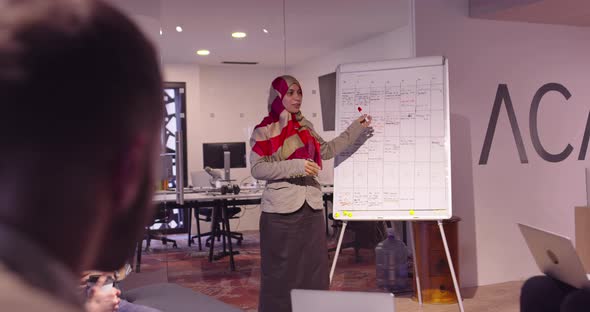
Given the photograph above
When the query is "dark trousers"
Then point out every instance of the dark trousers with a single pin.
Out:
(294, 255)
(545, 294)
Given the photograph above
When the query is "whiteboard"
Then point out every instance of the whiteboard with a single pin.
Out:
(402, 171)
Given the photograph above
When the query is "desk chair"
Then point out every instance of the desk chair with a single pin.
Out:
(327, 197)
(367, 234)
(204, 213)
(162, 217)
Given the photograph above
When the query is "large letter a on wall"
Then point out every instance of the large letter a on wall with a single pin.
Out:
(502, 95)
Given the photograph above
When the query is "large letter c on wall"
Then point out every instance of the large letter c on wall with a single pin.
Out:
(533, 123)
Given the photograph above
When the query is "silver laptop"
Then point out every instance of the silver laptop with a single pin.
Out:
(200, 180)
(555, 256)
(303, 300)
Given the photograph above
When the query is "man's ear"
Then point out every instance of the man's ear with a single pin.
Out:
(128, 173)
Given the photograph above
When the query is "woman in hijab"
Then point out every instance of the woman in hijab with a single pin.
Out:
(288, 153)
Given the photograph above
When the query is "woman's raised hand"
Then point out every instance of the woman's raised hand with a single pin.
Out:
(365, 120)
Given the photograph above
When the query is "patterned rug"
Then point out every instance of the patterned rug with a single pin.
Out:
(190, 268)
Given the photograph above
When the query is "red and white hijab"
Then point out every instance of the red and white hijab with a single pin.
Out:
(282, 135)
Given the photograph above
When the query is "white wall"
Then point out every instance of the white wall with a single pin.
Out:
(237, 96)
(492, 198)
(390, 45)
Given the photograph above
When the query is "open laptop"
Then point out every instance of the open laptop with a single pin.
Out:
(555, 256)
(200, 180)
(304, 300)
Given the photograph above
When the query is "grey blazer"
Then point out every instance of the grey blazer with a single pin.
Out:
(286, 190)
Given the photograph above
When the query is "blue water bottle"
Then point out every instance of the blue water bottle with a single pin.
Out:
(391, 259)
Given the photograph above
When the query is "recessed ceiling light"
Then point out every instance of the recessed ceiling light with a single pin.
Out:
(161, 31)
(265, 30)
(178, 29)
(203, 52)
(238, 34)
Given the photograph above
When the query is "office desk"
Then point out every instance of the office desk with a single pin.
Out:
(198, 199)
(220, 202)
(204, 196)
(168, 197)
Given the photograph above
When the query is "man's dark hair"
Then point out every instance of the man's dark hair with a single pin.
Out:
(81, 100)
(75, 76)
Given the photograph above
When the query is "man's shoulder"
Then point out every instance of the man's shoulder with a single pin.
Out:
(17, 295)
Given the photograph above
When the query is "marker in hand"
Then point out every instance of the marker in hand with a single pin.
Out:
(361, 112)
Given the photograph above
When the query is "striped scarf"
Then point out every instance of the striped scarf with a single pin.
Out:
(282, 135)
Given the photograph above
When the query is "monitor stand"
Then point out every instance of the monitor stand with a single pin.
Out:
(226, 165)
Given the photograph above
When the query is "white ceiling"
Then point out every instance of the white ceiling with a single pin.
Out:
(313, 27)
(559, 12)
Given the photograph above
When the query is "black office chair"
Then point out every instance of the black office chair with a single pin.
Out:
(163, 216)
(206, 214)
(367, 234)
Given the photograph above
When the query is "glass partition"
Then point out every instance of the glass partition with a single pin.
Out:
(222, 56)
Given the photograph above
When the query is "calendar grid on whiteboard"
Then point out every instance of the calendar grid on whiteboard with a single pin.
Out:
(403, 170)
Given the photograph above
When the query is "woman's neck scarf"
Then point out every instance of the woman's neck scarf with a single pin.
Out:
(286, 138)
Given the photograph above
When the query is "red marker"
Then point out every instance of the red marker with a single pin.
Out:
(361, 112)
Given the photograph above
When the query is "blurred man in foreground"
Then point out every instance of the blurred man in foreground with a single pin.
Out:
(80, 91)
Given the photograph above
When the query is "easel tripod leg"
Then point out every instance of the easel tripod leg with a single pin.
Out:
(417, 275)
(451, 267)
(337, 250)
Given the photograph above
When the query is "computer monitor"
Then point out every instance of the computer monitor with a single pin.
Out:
(214, 155)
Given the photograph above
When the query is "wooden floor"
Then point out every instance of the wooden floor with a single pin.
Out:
(190, 268)
(497, 298)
